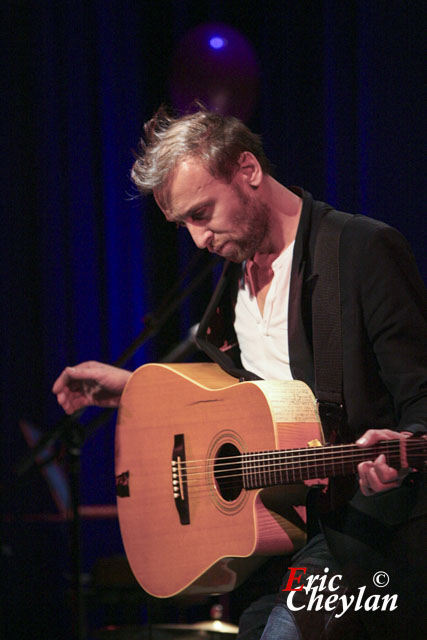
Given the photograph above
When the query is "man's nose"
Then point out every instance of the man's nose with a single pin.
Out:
(202, 236)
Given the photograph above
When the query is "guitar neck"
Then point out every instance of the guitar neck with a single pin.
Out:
(291, 466)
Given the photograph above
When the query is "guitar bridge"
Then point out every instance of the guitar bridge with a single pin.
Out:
(179, 479)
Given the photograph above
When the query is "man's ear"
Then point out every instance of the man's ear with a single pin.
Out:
(250, 169)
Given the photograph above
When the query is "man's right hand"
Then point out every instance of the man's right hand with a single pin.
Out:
(90, 383)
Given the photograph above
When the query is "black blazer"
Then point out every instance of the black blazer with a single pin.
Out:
(384, 322)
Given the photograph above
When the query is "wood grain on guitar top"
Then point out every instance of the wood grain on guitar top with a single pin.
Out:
(228, 534)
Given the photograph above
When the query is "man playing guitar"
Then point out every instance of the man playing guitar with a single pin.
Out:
(209, 173)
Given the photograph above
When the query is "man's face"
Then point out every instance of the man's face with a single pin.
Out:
(226, 218)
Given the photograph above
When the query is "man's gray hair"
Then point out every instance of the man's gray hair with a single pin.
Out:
(218, 141)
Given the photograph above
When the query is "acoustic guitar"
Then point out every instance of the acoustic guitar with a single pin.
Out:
(212, 474)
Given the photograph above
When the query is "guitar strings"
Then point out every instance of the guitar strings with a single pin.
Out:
(309, 455)
(323, 451)
(265, 469)
(291, 473)
(236, 480)
(321, 455)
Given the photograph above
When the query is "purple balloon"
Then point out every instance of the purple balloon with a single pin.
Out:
(216, 64)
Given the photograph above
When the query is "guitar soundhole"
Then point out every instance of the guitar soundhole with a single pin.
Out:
(228, 472)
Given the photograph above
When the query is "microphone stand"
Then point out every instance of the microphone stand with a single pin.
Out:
(70, 430)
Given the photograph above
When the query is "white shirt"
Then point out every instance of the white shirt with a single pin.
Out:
(263, 339)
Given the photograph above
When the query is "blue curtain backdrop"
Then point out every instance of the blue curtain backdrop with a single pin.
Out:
(83, 262)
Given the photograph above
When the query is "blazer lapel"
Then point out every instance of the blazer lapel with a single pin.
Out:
(299, 309)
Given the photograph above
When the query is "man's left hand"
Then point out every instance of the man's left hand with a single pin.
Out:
(376, 476)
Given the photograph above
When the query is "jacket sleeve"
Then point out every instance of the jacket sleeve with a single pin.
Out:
(394, 303)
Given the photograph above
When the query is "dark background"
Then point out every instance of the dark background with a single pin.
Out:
(83, 261)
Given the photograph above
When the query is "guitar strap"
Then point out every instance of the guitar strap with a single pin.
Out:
(326, 324)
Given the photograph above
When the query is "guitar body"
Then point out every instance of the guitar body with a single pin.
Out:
(197, 412)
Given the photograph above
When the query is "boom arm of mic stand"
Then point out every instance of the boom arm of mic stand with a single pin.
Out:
(153, 325)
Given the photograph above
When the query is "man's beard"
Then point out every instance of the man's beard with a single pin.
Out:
(254, 221)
